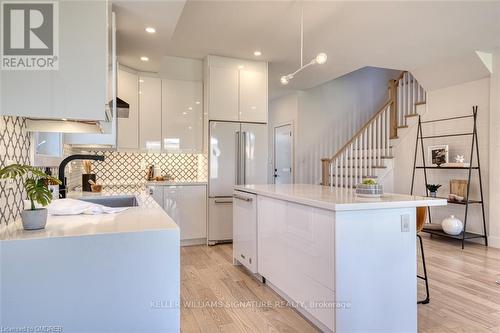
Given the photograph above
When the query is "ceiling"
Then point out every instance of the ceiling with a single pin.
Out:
(399, 35)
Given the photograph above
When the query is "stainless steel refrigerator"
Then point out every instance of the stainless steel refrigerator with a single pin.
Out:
(237, 155)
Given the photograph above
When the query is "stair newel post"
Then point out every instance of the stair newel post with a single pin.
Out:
(393, 95)
(387, 128)
(324, 171)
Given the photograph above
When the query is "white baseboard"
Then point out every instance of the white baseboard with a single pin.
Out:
(494, 242)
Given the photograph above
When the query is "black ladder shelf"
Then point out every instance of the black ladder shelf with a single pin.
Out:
(474, 149)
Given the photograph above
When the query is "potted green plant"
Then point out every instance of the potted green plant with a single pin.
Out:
(433, 189)
(35, 184)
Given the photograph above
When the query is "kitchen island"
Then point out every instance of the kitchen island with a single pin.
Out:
(93, 273)
(348, 264)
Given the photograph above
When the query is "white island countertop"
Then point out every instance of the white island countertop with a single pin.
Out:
(337, 199)
(147, 216)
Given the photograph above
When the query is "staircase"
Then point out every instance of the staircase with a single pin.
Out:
(368, 154)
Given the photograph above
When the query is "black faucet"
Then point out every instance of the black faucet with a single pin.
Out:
(62, 166)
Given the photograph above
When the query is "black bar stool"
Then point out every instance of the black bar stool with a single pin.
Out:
(421, 215)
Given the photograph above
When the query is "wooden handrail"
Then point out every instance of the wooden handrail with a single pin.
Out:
(358, 133)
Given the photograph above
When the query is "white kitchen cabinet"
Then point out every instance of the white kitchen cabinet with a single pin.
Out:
(245, 229)
(223, 94)
(296, 253)
(182, 116)
(78, 89)
(252, 96)
(187, 206)
(128, 128)
(236, 89)
(150, 113)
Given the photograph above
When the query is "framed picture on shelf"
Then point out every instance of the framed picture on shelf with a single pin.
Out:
(438, 155)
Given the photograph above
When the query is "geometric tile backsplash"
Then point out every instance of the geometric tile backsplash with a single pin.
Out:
(15, 147)
(130, 168)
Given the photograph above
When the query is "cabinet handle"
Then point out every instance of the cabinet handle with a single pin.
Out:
(240, 197)
(223, 201)
(242, 256)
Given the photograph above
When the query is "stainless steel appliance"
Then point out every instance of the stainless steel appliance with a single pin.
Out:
(237, 155)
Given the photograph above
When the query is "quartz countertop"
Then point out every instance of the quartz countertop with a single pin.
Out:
(175, 183)
(148, 216)
(337, 199)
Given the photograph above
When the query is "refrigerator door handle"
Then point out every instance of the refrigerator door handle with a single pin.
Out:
(244, 158)
(237, 162)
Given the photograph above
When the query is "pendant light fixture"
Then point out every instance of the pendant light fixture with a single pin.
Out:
(319, 59)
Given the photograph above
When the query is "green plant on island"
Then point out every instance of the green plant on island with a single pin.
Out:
(35, 182)
(369, 181)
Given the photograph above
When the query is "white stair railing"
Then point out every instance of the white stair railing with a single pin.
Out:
(409, 94)
(364, 151)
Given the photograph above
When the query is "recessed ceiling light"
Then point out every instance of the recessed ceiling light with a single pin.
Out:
(141, 81)
(197, 102)
(241, 67)
(190, 108)
(257, 53)
(64, 119)
(144, 58)
(184, 113)
(150, 30)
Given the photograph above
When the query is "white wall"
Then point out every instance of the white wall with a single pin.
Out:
(330, 114)
(494, 182)
(442, 103)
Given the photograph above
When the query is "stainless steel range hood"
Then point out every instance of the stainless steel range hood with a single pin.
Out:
(122, 108)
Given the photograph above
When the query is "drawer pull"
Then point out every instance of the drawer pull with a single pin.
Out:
(223, 201)
(242, 256)
(240, 197)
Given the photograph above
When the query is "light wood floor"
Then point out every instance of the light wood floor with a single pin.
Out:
(220, 297)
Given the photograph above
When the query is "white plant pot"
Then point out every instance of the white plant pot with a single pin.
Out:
(452, 226)
(34, 219)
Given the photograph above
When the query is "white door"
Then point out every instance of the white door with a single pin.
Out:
(283, 154)
(223, 94)
(253, 96)
(254, 154)
(223, 152)
(150, 113)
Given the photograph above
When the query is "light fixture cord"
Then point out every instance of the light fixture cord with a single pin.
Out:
(301, 34)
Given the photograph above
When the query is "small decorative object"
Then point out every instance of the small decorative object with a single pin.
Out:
(87, 176)
(458, 187)
(459, 159)
(438, 155)
(35, 184)
(455, 198)
(433, 189)
(369, 188)
(452, 226)
(97, 188)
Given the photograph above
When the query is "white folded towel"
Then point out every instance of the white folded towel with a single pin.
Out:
(77, 207)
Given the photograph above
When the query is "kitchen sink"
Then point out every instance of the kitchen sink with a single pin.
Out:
(114, 201)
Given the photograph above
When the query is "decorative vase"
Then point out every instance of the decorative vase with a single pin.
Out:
(432, 194)
(452, 226)
(85, 181)
(34, 219)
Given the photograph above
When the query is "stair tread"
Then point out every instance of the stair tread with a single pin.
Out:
(403, 126)
(364, 166)
(421, 103)
(412, 115)
(370, 157)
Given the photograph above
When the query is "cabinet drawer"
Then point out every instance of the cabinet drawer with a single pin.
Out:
(245, 229)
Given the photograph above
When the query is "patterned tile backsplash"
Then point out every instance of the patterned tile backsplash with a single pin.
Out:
(15, 147)
(130, 168)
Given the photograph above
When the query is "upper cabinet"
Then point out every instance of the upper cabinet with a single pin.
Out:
(150, 124)
(78, 89)
(236, 89)
(128, 128)
(182, 115)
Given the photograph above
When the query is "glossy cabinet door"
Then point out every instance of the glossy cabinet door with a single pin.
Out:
(78, 89)
(223, 97)
(182, 116)
(252, 96)
(296, 254)
(128, 128)
(187, 206)
(150, 113)
(220, 215)
(245, 229)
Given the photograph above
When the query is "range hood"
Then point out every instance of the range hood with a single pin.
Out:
(122, 108)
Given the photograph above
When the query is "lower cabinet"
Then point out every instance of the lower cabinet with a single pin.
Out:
(245, 229)
(296, 254)
(187, 206)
